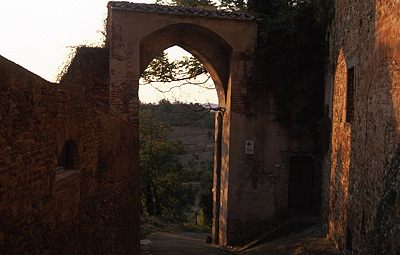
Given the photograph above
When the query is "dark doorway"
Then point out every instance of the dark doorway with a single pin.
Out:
(301, 174)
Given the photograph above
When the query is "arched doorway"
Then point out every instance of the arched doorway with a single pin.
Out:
(176, 134)
(214, 53)
(223, 42)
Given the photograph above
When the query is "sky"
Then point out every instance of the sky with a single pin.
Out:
(39, 34)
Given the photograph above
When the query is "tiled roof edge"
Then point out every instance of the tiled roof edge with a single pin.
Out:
(180, 10)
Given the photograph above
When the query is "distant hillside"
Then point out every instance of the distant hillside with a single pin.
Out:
(181, 114)
(193, 124)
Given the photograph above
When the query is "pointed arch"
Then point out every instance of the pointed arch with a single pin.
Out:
(209, 48)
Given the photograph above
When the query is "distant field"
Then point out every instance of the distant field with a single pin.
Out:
(196, 141)
(192, 123)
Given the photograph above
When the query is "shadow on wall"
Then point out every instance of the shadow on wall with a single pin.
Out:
(385, 237)
(385, 231)
(364, 192)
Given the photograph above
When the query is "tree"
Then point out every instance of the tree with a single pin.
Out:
(233, 5)
(188, 3)
(206, 195)
(291, 36)
(291, 45)
(182, 114)
(163, 192)
(185, 71)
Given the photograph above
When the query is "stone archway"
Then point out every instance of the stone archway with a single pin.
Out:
(209, 48)
(224, 43)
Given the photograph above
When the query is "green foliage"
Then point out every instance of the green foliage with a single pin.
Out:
(188, 3)
(161, 69)
(206, 196)
(291, 37)
(165, 183)
(181, 114)
(163, 189)
(235, 5)
(291, 50)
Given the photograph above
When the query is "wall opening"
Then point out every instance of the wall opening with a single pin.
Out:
(350, 95)
(301, 181)
(69, 157)
(178, 115)
(68, 161)
(199, 89)
(349, 241)
(209, 48)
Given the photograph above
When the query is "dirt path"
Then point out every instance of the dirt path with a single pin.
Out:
(310, 240)
(178, 244)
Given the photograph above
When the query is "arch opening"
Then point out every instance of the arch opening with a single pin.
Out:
(195, 164)
(209, 48)
(69, 157)
(175, 75)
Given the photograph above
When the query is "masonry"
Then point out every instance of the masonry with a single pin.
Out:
(90, 209)
(69, 161)
(361, 208)
(91, 205)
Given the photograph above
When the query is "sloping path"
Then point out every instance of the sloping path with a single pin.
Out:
(306, 241)
(178, 244)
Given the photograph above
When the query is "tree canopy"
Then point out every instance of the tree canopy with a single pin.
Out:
(162, 176)
(291, 37)
(237, 5)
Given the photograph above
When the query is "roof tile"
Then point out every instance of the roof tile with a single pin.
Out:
(180, 10)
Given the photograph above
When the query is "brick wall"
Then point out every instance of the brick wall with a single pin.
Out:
(94, 209)
(88, 75)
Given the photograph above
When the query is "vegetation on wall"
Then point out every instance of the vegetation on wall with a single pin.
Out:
(291, 50)
(291, 37)
(235, 5)
(187, 70)
(291, 43)
(290, 61)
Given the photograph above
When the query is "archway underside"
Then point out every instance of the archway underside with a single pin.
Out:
(210, 49)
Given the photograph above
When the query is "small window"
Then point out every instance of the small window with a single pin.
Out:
(69, 157)
(350, 95)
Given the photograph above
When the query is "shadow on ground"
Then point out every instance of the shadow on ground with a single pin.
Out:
(162, 243)
(287, 240)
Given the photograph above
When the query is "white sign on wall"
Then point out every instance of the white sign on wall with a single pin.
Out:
(249, 147)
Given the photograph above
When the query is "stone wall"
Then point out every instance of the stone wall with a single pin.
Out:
(365, 36)
(385, 237)
(91, 209)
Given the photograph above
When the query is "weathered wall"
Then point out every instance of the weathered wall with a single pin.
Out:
(250, 191)
(385, 237)
(93, 210)
(364, 35)
(88, 75)
(263, 185)
(136, 33)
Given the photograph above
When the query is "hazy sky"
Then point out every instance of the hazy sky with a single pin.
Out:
(36, 34)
